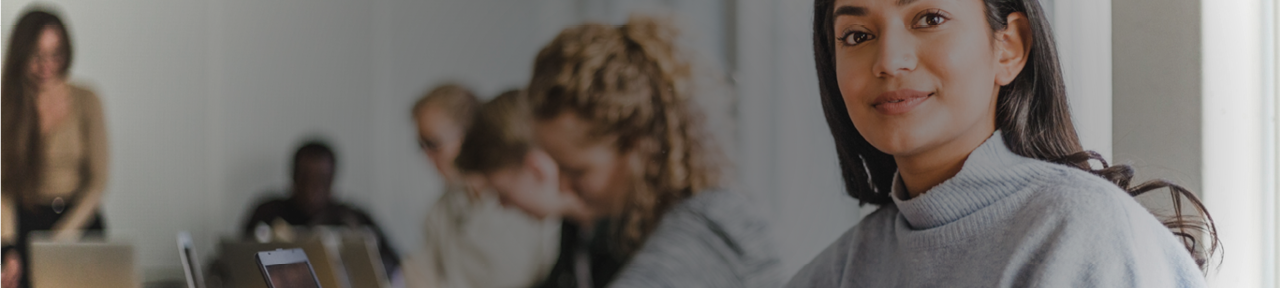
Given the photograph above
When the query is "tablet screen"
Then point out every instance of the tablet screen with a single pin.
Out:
(292, 275)
(287, 269)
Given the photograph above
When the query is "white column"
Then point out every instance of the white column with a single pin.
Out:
(1083, 31)
(1232, 135)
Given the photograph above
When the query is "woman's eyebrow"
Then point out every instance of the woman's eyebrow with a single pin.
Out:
(862, 11)
(852, 11)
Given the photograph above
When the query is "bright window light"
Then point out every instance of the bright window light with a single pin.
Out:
(1232, 139)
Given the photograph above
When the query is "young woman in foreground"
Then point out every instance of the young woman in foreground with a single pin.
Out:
(951, 116)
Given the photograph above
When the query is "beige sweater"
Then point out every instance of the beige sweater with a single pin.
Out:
(76, 164)
(479, 243)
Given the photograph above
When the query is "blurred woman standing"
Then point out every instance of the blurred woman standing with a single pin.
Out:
(55, 142)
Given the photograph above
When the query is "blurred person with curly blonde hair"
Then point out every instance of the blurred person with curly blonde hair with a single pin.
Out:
(613, 109)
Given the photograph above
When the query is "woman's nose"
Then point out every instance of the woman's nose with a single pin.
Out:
(897, 54)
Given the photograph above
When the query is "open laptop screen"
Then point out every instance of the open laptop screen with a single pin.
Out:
(287, 269)
(296, 275)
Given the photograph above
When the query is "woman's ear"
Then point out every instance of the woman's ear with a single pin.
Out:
(1013, 44)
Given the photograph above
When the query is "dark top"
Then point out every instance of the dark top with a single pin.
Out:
(599, 259)
(336, 214)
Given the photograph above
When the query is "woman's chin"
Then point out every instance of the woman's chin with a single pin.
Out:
(898, 145)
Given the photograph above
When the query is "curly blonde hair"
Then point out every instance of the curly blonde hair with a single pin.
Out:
(629, 82)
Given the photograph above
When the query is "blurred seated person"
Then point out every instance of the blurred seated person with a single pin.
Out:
(310, 203)
(614, 107)
(470, 240)
(499, 155)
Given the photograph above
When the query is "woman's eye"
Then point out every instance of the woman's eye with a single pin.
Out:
(855, 38)
(570, 172)
(427, 144)
(930, 20)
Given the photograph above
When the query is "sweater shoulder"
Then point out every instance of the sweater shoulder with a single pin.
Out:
(1075, 202)
(1076, 199)
(1076, 189)
(1073, 179)
(1091, 222)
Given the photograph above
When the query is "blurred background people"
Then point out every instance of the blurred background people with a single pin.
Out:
(500, 154)
(55, 143)
(310, 204)
(612, 108)
(470, 239)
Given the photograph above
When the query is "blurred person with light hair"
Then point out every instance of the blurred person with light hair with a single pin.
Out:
(471, 240)
(499, 153)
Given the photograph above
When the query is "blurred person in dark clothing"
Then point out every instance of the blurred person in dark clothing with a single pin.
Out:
(311, 203)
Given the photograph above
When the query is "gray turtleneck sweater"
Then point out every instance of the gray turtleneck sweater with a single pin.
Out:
(1007, 221)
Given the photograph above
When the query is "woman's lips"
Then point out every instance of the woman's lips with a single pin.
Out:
(899, 102)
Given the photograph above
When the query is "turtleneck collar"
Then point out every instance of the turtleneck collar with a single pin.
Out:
(989, 174)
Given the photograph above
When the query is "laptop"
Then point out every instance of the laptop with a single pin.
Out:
(82, 264)
(360, 256)
(190, 261)
(242, 273)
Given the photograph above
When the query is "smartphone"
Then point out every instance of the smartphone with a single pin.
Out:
(287, 269)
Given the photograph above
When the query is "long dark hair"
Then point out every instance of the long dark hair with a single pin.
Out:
(23, 147)
(1031, 114)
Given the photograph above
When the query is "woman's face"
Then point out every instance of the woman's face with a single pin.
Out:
(916, 75)
(592, 168)
(440, 137)
(48, 58)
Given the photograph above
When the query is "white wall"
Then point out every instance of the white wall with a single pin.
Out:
(1082, 29)
(1232, 140)
(288, 71)
(1157, 91)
